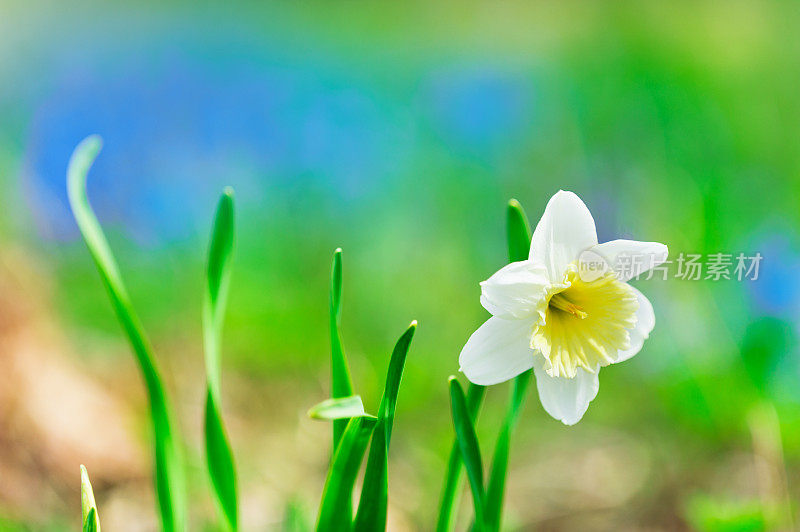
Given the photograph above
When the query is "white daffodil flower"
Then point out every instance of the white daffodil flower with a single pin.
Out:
(560, 314)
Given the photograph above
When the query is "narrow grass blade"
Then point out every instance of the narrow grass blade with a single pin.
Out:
(519, 241)
(470, 451)
(372, 507)
(217, 282)
(340, 408)
(341, 385)
(335, 511)
(219, 456)
(221, 467)
(169, 474)
(447, 506)
(393, 376)
(91, 521)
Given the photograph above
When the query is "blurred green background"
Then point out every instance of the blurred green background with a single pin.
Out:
(398, 132)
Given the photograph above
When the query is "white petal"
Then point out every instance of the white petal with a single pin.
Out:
(630, 258)
(645, 321)
(565, 230)
(516, 291)
(498, 351)
(565, 399)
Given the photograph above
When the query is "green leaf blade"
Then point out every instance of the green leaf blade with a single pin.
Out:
(219, 455)
(221, 465)
(444, 522)
(374, 502)
(218, 273)
(338, 408)
(469, 449)
(341, 383)
(335, 511)
(169, 474)
(91, 521)
(393, 377)
(221, 249)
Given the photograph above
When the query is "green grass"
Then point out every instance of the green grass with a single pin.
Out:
(349, 444)
(470, 450)
(373, 506)
(219, 456)
(334, 510)
(169, 474)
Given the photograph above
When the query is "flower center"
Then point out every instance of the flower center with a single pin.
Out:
(561, 301)
(585, 324)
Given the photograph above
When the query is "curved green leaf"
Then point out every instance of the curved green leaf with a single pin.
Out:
(221, 466)
(169, 475)
(341, 385)
(470, 451)
(447, 506)
(335, 512)
(219, 456)
(373, 505)
(91, 521)
(338, 408)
